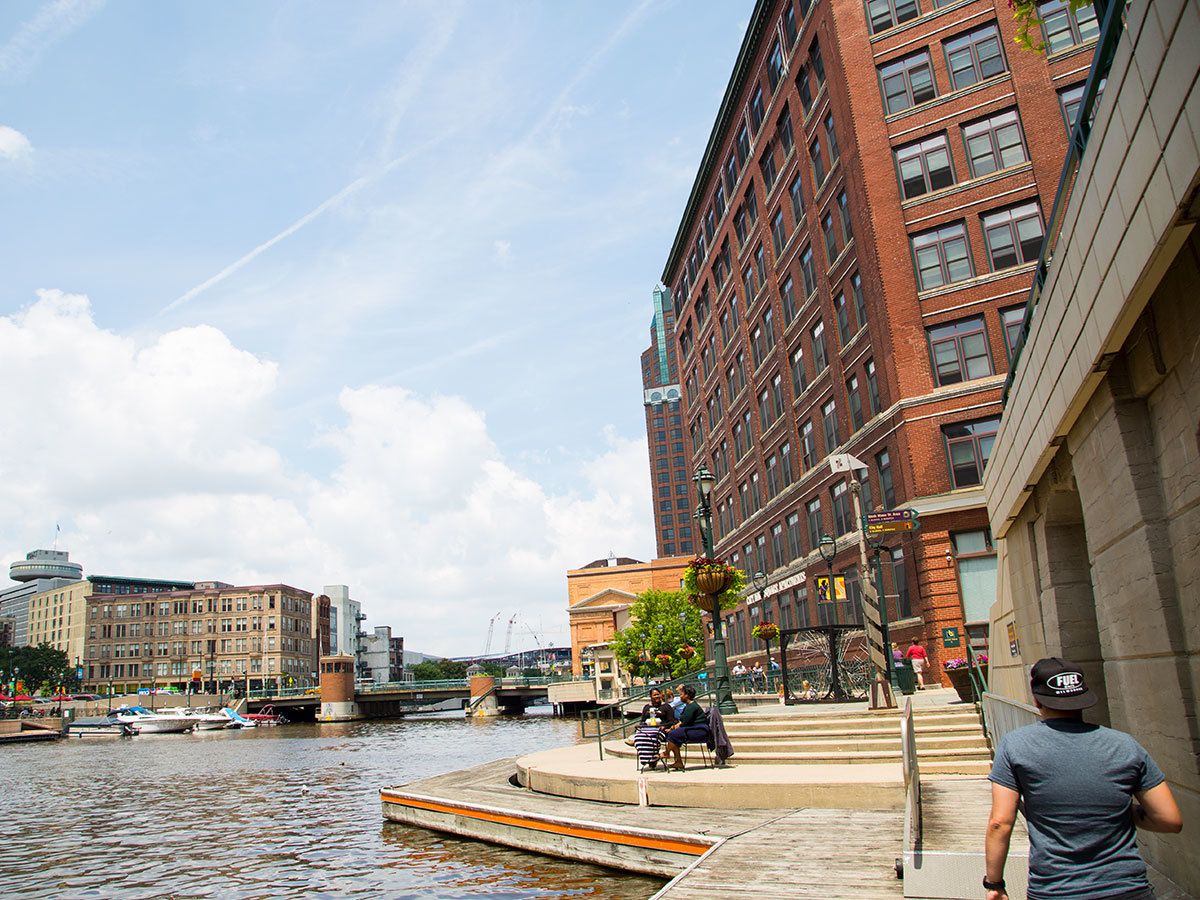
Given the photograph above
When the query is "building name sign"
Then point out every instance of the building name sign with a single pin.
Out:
(783, 584)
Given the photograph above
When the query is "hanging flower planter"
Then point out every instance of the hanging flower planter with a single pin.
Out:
(713, 578)
(766, 631)
(687, 651)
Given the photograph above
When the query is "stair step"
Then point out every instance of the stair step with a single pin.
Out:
(887, 731)
(934, 761)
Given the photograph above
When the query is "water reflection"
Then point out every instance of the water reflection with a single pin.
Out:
(271, 812)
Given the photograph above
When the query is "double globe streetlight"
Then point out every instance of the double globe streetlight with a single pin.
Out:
(705, 480)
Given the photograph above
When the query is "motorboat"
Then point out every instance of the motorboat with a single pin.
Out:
(205, 718)
(235, 719)
(101, 726)
(148, 722)
(267, 716)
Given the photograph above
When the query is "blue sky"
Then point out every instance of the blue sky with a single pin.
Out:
(329, 292)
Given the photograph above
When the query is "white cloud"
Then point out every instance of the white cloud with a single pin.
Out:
(14, 145)
(502, 251)
(162, 458)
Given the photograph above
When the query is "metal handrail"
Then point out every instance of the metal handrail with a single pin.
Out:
(616, 709)
(1005, 714)
(1112, 12)
(912, 778)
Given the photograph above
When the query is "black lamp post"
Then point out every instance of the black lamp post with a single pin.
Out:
(828, 550)
(705, 481)
(760, 581)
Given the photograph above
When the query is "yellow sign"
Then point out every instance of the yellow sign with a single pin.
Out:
(839, 588)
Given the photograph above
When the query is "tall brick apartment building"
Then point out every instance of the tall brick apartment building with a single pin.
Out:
(848, 276)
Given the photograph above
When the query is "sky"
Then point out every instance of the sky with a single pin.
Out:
(327, 293)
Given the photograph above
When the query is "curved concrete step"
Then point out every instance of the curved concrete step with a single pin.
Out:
(831, 757)
(888, 731)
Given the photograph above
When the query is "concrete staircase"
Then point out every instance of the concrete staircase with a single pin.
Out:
(950, 739)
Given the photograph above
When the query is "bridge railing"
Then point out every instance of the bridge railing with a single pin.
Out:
(443, 684)
(280, 693)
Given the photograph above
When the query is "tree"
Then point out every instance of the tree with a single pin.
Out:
(660, 622)
(427, 670)
(41, 668)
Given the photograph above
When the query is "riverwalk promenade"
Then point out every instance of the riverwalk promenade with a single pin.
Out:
(825, 816)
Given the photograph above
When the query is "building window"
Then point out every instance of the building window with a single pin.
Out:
(994, 143)
(860, 301)
(785, 463)
(968, 446)
(959, 351)
(941, 256)
(1013, 236)
(883, 464)
(790, 31)
(974, 56)
(755, 108)
(805, 89)
(872, 387)
(841, 509)
(767, 165)
(831, 247)
(775, 65)
(742, 145)
(797, 201)
(907, 82)
(787, 299)
(777, 396)
(855, 398)
(1064, 28)
(885, 14)
(842, 309)
(975, 558)
(783, 131)
(808, 445)
(778, 232)
(764, 409)
(831, 140)
(799, 376)
(812, 512)
(820, 357)
(1070, 100)
(818, 163)
(924, 166)
(830, 423)
(816, 60)
(1011, 321)
(777, 557)
(748, 285)
(843, 202)
(795, 541)
(807, 272)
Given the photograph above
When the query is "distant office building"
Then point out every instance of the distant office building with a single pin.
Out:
(249, 636)
(670, 475)
(383, 655)
(322, 617)
(345, 620)
(40, 570)
(58, 615)
(8, 629)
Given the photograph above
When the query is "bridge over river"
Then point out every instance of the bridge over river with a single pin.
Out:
(338, 700)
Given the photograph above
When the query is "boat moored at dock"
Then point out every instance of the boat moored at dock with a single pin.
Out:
(148, 722)
(101, 726)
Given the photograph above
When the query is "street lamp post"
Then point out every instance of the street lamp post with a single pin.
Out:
(760, 581)
(705, 480)
(877, 547)
(828, 550)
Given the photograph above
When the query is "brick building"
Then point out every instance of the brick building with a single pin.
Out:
(247, 637)
(670, 474)
(848, 277)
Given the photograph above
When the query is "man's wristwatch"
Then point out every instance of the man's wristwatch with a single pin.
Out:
(993, 885)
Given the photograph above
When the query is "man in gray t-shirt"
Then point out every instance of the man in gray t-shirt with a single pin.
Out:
(1078, 782)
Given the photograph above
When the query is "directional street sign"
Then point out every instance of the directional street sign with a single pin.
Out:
(890, 521)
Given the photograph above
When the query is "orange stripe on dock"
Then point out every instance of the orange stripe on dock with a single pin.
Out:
(672, 845)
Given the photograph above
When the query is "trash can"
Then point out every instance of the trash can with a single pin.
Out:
(906, 678)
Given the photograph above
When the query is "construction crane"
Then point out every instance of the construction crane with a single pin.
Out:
(508, 636)
(537, 643)
(487, 648)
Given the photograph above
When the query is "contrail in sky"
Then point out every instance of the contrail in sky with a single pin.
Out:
(51, 23)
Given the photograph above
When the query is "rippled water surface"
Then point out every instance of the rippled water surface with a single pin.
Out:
(269, 812)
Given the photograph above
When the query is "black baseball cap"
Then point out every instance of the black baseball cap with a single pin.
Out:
(1059, 684)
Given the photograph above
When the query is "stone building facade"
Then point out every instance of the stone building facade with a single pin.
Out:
(858, 240)
(1094, 482)
(214, 635)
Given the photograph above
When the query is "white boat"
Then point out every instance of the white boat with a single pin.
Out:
(236, 719)
(148, 722)
(205, 719)
(101, 726)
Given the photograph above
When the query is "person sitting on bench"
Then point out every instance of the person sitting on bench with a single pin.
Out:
(692, 728)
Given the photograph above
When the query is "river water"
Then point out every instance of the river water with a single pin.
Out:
(291, 811)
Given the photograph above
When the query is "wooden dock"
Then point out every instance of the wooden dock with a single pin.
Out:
(827, 853)
(824, 854)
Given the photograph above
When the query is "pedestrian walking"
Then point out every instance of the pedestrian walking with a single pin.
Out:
(919, 658)
(1086, 789)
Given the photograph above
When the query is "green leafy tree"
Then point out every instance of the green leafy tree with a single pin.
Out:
(427, 670)
(661, 622)
(41, 668)
(452, 669)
